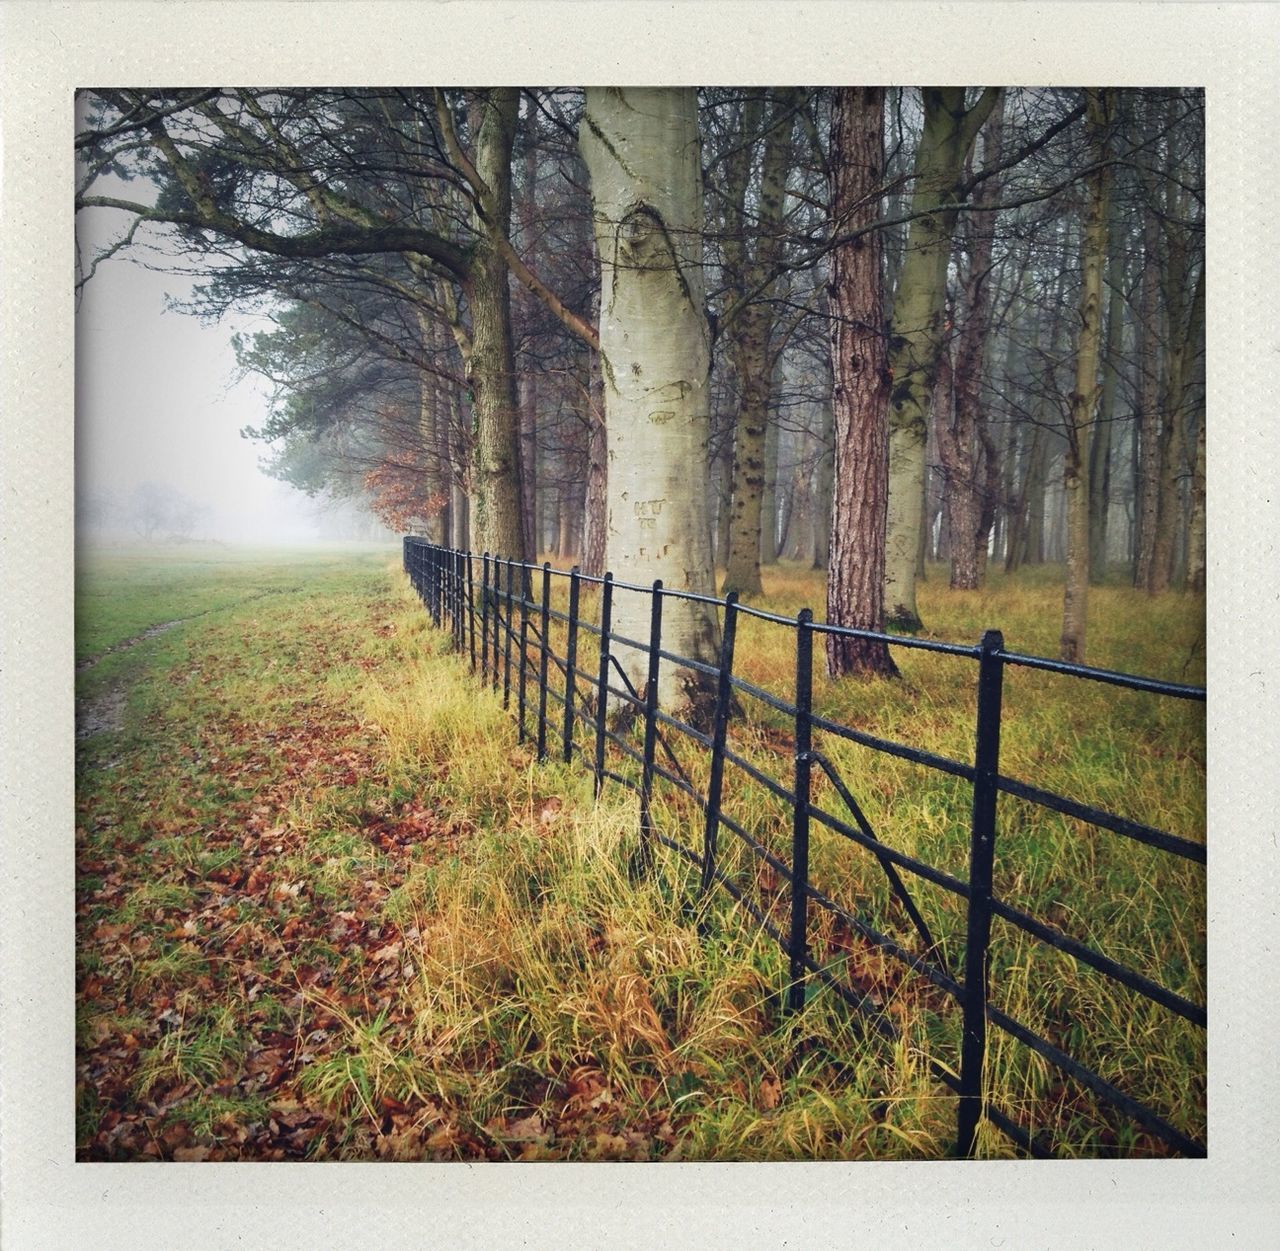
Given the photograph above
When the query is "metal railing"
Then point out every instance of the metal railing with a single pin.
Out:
(500, 613)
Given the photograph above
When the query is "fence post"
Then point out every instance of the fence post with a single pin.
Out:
(524, 653)
(484, 618)
(798, 944)
(507, 632)
(446, 592)
(542, 661)
(495, 673)
(602, 690)
(442, 587)
(719, 729)
(650, 726)
(459, 619)
(982, 845)
(571, 662)
(446, 595)
(471, 610)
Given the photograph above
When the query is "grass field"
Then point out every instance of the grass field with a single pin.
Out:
(329, 907)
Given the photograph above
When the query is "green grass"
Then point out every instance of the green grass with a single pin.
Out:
(329, 907)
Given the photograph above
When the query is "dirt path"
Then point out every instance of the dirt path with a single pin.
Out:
(104, 712)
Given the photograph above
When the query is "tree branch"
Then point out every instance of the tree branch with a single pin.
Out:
(334, 240)
(86, 138)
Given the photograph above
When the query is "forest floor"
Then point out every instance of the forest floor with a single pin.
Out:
(328, 906)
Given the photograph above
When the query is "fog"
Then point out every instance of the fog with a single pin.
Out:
(159, 409)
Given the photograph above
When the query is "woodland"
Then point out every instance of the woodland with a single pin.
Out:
(663, 331)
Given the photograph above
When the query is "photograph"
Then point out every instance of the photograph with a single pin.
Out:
(647, 624)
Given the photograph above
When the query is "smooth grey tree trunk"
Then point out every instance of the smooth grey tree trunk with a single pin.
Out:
(642, 151)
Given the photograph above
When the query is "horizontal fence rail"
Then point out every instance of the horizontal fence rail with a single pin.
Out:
(500, 615)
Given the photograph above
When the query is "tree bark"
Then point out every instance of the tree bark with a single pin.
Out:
(855, 582)
(528, 392)
(1196, 562)
(971, 458)
(751, 527)
(1185, 332)
(1075, 476)
(496, 478)
(430, 422)
(767, 534)
(916, 334)
(1148, 404)
(1100, 450)
(824, 475)
(958, 450)
(596, 507)
(641, 149)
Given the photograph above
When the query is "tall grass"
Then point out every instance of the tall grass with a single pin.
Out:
(556, 991)
(1136, 755)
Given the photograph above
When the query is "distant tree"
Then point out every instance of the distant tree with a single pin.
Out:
(159, 511)
(1084, 397)
(97, 511)
(752, 248)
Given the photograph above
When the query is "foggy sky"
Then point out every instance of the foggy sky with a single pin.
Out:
(157, 400)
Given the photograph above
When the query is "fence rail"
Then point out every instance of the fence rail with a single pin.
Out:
(501, 620)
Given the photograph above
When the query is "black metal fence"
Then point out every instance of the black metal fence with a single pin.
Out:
(501, 616)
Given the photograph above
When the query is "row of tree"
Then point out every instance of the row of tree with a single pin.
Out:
(659, 330)
(154, 511)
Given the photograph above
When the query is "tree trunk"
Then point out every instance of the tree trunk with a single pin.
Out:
(751, 529)
(1100, 450)
(1032, 484)
(855, 582)
(767, 535)
(1008, 466)
(1148, 404)
(496, 479)
(824, 481)
(528, 391)
(1075, 477)
(972, 451)
(916, 334)
(430, 423)
(1037, 482)
(596, 506)
(1184, 335)
(1196, 522)
(724, 515)
(1027, 541)
(641, 149)
(957, 449)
